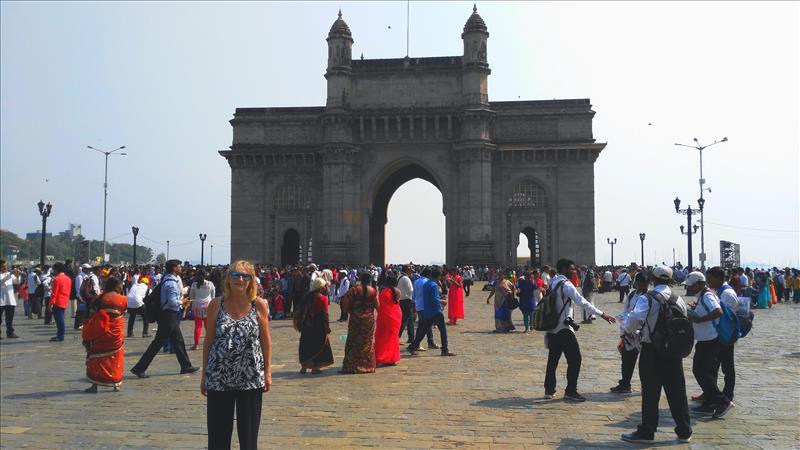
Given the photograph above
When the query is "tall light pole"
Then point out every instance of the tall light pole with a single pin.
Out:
(641, 238)
(700, 148)
(44, 211)
(135, 233)
(167, 250)
(211, 263)
(105, 190)
(612, 243)
(689, 212)
(202, 246)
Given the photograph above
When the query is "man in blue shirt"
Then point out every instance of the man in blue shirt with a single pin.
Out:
(419, 306)
(168, 324)
(432, 313)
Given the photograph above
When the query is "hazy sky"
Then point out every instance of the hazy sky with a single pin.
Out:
(164, 79)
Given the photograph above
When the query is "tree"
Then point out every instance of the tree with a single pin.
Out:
(161, 258)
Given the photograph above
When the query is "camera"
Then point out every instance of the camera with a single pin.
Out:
(571, 323)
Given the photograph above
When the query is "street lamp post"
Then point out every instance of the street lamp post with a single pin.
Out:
(202, 246)
(105, 190)
(211, 263)
(167, 250)
(44, 211)
(612, 243)
(689, 212)
(700, 148)
(641, 238)
(135, 233)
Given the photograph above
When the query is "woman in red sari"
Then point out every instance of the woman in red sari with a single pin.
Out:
(104, 336)
(387, 328)
(455, 298)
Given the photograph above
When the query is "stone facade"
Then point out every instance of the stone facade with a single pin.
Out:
(314, 183)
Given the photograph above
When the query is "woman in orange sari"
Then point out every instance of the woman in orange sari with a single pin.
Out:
(104, 336)
(455, 297)
(387, 327)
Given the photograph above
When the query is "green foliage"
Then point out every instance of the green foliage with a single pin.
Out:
(61, 248)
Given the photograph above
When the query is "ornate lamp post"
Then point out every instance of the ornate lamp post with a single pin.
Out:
(202, 246)
(689, 212)
(641, 238)
(700, 148)
(612, 243)
(44, 211)
(135, 233)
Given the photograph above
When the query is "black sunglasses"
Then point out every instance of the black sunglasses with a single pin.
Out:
(241, 275)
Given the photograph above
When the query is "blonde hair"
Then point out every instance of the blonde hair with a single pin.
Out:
(244, 267)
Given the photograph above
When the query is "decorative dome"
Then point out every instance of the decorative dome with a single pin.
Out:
(340, 28)
(475, 22)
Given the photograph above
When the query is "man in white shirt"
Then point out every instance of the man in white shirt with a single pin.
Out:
(35, 297)
(655, 370)
(623, 284)
(705, 364)
(467, 276)
(561, 339)
(715, 277)
(406, 304)
(8, 301)
(341, 290)
(608, 278)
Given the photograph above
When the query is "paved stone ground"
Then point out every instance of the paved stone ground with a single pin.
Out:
(489, 396)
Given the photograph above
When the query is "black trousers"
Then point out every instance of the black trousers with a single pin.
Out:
(656, 372)
(132, 313)
(36, 305)
(623, 292)
(564, 342)
(705, 367)
(421, 328)
(168, 330)
(48, 311)
(467, 286)
(629, 358)
(8, 312)
(407, 323)
(427, 328)
(728, 369)
(219, 413)
(342, 315)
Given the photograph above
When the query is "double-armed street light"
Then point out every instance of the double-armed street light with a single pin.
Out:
(105, 189)
(612, 244)
(689, 230)
(700, 148)
(44, 211)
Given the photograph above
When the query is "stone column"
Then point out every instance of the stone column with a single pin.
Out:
(473, 241)
(341, 216)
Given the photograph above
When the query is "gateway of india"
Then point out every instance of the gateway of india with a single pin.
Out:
(314, 183)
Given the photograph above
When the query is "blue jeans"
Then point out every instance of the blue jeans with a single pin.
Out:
(27, 306)
(427, 327)
(58, 314)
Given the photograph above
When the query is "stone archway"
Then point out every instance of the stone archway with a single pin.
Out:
(380, 205)
(534, 246)
(290, 247)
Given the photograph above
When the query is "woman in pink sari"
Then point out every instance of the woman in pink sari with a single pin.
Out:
(455, 297)
(387, 328)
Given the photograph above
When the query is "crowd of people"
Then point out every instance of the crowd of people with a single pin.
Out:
(234, 305)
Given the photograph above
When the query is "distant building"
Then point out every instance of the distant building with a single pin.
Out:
(73, 231)
(36, 235)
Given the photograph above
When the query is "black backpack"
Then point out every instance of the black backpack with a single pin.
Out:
(152, 303)
(547, 317)
(673, 335)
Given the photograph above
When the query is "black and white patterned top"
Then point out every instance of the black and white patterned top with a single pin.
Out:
(235, 360)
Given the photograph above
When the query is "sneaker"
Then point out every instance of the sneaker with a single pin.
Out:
(549, 395)
(422, 349)
(12, 336)
(140, 374)
(620, 389)
(703, 410)
(698, 398)
(574, 397)
(685, 440)
(637, 437)
(721, 410)
(434, 346)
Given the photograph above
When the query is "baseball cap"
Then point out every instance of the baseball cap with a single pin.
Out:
(694, 277)
(85, 266)
(662, 273)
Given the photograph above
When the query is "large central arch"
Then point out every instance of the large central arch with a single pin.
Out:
(380, 205)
